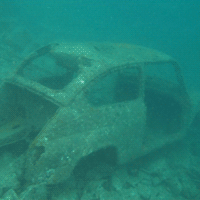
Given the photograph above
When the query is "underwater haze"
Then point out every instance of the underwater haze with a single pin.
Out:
(87, 112)
(172, 26)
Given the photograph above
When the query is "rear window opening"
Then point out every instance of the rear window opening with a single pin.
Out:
(118, 86)
(163, 112)
(23, 114)
(52, 71)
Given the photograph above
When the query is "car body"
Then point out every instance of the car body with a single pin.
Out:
(86, 98)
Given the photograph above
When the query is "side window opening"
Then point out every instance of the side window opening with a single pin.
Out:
(164, 110)
(117, 86)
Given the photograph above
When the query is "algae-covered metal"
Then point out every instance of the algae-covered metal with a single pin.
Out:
(124, 100)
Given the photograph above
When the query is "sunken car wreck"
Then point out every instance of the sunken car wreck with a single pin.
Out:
(81, 99)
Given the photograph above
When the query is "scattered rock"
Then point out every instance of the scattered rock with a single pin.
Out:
(144, 191)
(35, 192)
(10, 195)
